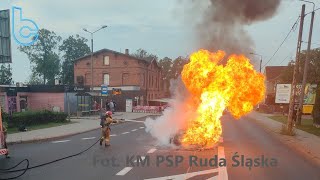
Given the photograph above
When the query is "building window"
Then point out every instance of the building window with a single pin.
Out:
(106, 79)
(106, 60)
(125, 79)
(142, 79)
(152, 81)
(87, 79)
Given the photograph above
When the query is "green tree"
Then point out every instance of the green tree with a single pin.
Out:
(43, 56)
(166, 67)
(313, 77)
(34, 79)
(6, 75)
(143, 54)
(313, 72)
(74, 47)
(286, 76)
(177, 67)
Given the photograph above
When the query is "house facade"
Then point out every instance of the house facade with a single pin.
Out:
(138, 79)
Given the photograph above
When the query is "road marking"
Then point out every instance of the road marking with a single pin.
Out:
(151, 151)
(60, 141)
(223, 175)
(213, 178)
(88, 138)
(125, 132)
(124, 171)
(113, 135)
(141, 127)
(183, 176)
(133, 130)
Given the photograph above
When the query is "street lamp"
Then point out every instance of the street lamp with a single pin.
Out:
(84, 29)
(260, 59)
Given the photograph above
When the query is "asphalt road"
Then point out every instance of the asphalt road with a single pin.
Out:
(130, 140)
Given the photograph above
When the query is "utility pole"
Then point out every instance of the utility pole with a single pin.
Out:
(91, 62)
(306, 68)
(295, 71)
(261, 64)
(92, 87)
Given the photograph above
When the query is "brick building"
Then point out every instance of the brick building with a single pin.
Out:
(273, 75)
(138, 79)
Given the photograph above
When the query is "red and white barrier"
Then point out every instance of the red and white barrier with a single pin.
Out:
(148, 109)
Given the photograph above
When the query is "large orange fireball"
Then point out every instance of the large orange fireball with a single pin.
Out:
(235, 86)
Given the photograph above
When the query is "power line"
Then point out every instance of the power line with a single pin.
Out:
(285, 59)
(311, 43)
(292, 29)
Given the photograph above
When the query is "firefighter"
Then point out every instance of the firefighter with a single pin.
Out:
(105, 128)
(5, 138)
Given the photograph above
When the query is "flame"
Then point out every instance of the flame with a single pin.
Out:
(214, 87)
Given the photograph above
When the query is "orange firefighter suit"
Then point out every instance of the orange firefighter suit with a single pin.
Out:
(105, 130)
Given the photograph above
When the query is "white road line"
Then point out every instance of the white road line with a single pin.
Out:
(88, 138)
(60, 141)
(223, 175)
(124, 171)
(133, 130)
(141, 127)
(183, 176)
(125, 132)
(213, 178)
(113, 135)
(151, 151)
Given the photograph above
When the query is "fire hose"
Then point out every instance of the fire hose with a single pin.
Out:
(9, 170)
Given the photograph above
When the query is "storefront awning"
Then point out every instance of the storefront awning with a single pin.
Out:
(92, 94)
(83, 94)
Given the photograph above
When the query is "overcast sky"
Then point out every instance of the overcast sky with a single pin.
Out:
(157, 26)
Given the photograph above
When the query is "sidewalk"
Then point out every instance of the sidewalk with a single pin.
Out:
(80, 125)
(305, 143)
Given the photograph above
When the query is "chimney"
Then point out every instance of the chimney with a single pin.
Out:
(127, 51)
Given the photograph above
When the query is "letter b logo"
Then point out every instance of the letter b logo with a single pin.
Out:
(24, 31)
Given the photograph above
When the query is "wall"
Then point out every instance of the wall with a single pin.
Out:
(40, 101)
(118, 65)
(139, 73)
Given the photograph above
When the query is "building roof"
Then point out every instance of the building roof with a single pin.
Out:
(115, 52)
(273, 72)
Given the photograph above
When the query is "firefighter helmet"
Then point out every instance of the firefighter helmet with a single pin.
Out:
(109, 113)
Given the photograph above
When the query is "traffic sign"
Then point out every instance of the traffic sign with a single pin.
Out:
(104, 90)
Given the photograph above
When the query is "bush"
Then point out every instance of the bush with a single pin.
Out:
(35, 118)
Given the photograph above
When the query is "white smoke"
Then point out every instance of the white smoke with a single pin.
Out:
(174, 118)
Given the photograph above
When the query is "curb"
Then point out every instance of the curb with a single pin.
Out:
(64, 135)
(49, 138)
(55, 137)
(294, 146)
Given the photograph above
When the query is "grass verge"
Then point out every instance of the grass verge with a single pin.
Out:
(306, 124)
(40, 126)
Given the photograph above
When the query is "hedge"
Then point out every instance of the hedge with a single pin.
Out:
(34, 118)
